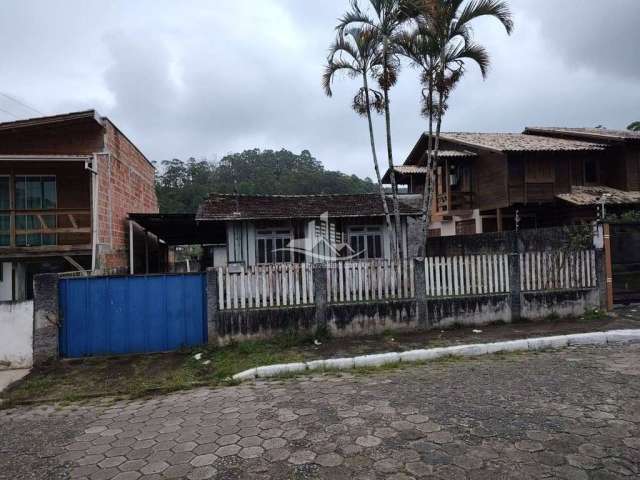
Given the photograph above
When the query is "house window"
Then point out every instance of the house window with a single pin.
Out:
(466, 227)
(591, 171)
(272, 246)
(35, 193)
(366, 242)
(5, 218)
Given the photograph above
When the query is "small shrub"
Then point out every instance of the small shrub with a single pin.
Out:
(593, 315)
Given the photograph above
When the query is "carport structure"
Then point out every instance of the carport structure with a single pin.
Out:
(151, 235)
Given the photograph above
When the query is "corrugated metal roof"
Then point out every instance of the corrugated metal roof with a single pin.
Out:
(519, 142)
(592, 195)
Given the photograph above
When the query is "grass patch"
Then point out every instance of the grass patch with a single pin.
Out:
(141, 375)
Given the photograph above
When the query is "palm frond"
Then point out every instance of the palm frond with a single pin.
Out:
(498, 9)
(469, 51)
(354, 17)
(333, 68)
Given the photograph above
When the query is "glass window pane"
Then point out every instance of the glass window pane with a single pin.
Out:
(269, 250)
(34, 192)
(261, 255)
(4, 193)
(49, 199)
(50, 222)
(5, 227)
(378, 246)
(21, 193)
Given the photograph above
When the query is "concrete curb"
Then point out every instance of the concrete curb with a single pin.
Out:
(472, 350)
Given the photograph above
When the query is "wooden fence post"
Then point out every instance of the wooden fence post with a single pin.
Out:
(320, 293)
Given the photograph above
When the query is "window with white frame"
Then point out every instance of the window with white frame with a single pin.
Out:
(366, 241)
(272, 246)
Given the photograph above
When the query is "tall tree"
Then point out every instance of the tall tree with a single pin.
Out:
(182, 185)
(388, 19)
(634, 126)
(447, 24)
(355, 52)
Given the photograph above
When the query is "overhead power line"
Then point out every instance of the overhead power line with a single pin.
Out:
(6, 95)
(8, 113)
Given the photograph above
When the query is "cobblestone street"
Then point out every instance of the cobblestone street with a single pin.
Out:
(571, 414)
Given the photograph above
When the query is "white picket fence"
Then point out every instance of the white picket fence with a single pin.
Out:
(370, 280)
(291, 284)
(557, 270)
(273, 285)
(466, 275)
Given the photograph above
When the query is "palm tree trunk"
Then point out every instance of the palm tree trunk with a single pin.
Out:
(436, 146)
(392, 176)
(429, 179)
(375, 155)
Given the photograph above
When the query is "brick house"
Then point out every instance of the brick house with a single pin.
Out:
(67, 183)
(542, 177)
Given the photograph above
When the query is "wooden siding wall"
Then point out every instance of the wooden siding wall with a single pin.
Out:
(76, 138)
(538, 177)
(632, 170)
(490, 180)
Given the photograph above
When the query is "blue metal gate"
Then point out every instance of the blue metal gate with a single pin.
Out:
(131, 314)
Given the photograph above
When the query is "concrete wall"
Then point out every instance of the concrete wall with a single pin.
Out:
(469, 311)
(539, 239)
(6, 282)
(536, 305)
(16, 331)
(371, 318)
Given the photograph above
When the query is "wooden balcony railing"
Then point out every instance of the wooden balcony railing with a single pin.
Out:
(45, 228)
(454, 201)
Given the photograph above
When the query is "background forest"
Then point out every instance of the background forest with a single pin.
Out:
(181, 185)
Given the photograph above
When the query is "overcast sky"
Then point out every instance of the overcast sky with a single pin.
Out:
(205, 78)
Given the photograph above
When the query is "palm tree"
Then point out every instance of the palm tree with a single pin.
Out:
(446, 25)
(634, 126)
(355, 52)
(389, 19)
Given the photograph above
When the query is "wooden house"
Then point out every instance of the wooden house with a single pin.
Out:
(543, 177)
(263, 229)
(66, 184)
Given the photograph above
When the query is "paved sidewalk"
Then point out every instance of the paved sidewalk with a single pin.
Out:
(571, 414)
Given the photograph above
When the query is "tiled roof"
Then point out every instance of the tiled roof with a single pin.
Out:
(519, 142)
(408, 169)
(592, 195)
(587, 133)
(246, 207)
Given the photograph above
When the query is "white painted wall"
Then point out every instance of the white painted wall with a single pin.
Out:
(6, 293)
(16, 334)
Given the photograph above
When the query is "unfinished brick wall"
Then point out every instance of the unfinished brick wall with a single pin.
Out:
(126, 183)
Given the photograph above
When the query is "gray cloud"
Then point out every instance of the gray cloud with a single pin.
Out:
(206, 78)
